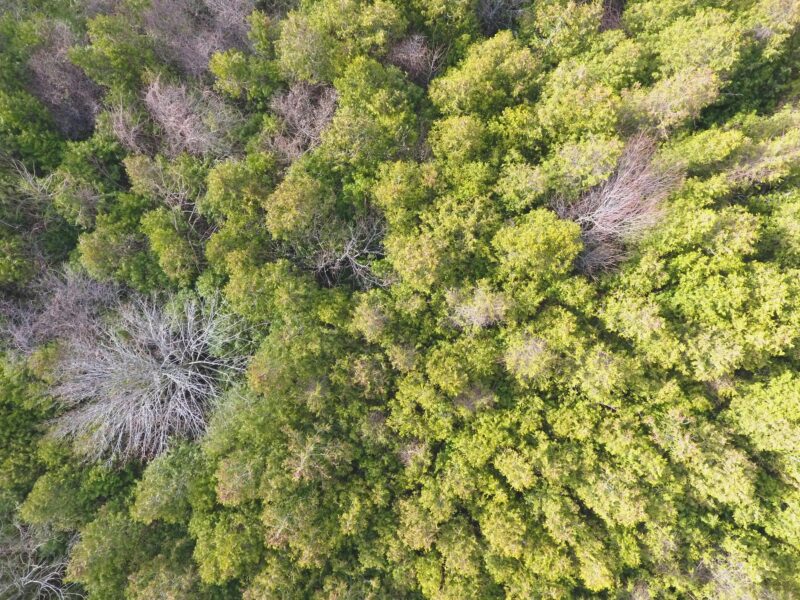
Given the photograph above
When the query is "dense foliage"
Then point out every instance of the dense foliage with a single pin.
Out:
(393, 299)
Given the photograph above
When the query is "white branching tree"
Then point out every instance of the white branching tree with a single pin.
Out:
(132, 130)
(621, 209)
(305, 111)
(29, 570)
(63, 304)
(197, 123)
(418, 58)
(335, 257)
(148, 377)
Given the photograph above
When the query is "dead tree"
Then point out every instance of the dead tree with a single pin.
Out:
(188, 32)
(146, 378)
(61, 305)
(623, 208)
(132, 130)
(612, 14)
(27, 570)
(70, 96)
(494, 15)
(305, 111)
(192, 122)
(337, 258)
(420, 61)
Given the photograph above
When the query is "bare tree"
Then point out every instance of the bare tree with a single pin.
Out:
(27, 570)
(70, 96)
(64, 304)
(305, 111)
(335, 258)
(612, 14)
(417, 58)
(277, 8)
(477, 308)
(148, 377)
(621, 209)
(188, 32)
(495, 15)
(132, 130)
(230, 21)
(191, 122)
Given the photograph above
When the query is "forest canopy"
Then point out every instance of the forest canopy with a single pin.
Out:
(399, 299)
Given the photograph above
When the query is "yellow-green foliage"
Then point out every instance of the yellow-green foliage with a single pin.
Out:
(518, 282)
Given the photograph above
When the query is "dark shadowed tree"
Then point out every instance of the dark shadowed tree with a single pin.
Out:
(70, 96)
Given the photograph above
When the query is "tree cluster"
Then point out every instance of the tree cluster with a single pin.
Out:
(392, 299)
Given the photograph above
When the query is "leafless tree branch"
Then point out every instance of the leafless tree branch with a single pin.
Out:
(417, 58)
(27, 571)
(305, 111)
(145, 379)
(64, 304)
(70, 96)
(495, 15)
(621, 209)
(336, 258)
(191, 122)
(188, 32)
